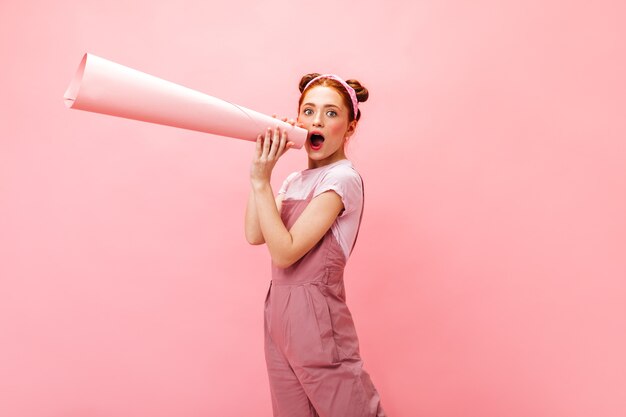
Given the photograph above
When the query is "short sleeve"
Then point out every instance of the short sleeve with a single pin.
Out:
(347, 184)
(283, 188)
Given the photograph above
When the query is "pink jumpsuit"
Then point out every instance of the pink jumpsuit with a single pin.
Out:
(311, 346)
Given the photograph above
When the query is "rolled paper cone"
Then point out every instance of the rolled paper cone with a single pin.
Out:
(103, 86)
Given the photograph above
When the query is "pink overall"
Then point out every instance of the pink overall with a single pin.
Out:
(311, 346)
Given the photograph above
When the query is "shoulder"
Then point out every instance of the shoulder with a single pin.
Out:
(291, 176)
(346, 182)
(287, 181)
(343, 174)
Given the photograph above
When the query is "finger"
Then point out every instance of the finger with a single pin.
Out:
(283, 140)
(259, 146)
(275, 143)
(266, 143)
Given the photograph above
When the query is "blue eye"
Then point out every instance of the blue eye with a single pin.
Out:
(307, 111)
(334, 113)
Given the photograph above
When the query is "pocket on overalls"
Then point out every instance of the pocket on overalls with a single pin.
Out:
(325, 316)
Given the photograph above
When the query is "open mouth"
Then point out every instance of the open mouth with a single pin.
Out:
(316, 141)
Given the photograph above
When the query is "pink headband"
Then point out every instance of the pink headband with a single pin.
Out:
(350, 90)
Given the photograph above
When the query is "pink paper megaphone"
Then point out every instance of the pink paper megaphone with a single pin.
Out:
(103, 86)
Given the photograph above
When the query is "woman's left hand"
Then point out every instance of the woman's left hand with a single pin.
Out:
(269, 148)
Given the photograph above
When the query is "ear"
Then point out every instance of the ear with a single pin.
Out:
(351, 129)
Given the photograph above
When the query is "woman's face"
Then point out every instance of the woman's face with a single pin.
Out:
(324, 114)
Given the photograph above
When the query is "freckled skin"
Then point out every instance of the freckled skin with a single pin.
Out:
(332, 122)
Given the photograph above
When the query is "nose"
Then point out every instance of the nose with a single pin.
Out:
(317, 119)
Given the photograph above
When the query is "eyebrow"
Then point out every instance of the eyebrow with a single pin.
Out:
(326, 105)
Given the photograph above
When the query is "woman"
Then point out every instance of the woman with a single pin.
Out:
(310, 228)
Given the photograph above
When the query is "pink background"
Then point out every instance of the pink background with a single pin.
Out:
(490, 275)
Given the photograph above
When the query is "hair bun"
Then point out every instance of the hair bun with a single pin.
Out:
(306, 79)
(361, 92)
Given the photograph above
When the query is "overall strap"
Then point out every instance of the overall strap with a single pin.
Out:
(361, 217)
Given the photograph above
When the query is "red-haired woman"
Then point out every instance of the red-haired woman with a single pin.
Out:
(310, 228)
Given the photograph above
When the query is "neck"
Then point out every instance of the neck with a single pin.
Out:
(340, 154)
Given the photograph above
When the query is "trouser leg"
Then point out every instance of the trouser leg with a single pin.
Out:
(323, 351)
(288, 396)
(343, 390)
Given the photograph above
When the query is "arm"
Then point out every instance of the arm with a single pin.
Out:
(287, 246)
(254, 236)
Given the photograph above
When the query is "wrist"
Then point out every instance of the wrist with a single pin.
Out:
(259, 185)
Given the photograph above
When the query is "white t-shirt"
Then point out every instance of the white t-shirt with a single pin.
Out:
(341, 177)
